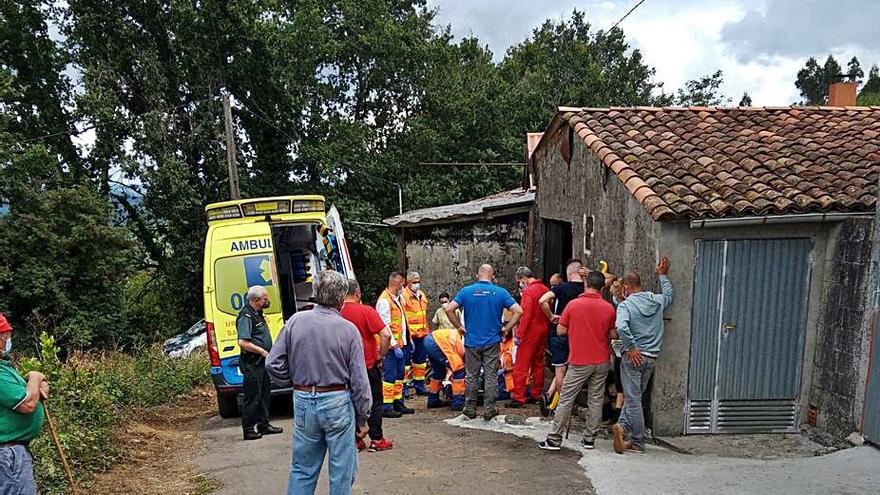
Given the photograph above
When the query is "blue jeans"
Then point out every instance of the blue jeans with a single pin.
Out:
(17, 471)
(635, 381)
(323, 422)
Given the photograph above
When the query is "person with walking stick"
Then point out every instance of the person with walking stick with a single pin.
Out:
(21, 417)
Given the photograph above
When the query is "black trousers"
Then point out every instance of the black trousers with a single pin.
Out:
(257, 394)
(375, 421)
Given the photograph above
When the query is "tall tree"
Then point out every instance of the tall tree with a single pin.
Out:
(746, 100)
(870, 92)
(702, 92)
(854, 70)
(813, 80)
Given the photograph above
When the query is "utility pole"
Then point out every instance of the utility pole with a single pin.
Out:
(234, 192)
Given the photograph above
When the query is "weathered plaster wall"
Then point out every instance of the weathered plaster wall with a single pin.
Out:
(623, 233)
(447, 256)
(837, 390)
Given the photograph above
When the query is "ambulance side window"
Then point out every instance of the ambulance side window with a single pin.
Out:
(234, 275)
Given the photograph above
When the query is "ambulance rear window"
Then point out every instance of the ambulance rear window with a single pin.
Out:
(234, 275)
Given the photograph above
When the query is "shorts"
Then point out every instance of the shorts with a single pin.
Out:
(558, 350)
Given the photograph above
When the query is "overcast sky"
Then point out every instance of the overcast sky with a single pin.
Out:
(759, 44)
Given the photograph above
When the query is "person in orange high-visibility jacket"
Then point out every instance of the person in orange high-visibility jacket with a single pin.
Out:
(390, 309)
(415, 305)
(445, 349)
(506, 360)
(532, 334)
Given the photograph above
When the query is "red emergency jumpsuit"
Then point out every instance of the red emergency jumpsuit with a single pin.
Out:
(532, 334)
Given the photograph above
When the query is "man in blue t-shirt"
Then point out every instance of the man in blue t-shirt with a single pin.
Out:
(483, 304)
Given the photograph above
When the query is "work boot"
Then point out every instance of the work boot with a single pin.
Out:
(252, 435)
(380, 445)
(402, 409)
(545, 405)
(619, 438)
(419, 387)
(389, 412)
(488, 414)
(470, 412)
(514, 404)
(270, 430)
(434, 402)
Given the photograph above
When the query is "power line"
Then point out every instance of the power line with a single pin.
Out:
(627, 14)
(472, 164)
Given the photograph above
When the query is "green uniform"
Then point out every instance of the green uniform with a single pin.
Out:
(15, 426)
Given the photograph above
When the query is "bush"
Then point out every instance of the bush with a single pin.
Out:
(91, 393)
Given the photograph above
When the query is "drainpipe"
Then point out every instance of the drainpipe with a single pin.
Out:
(777, 219)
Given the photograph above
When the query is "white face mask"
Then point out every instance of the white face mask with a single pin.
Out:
(8, 348)
(416, 287)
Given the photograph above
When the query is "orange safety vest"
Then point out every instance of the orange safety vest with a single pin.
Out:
(416, 308)
(450, 342)
(506, 354)
(396, 325)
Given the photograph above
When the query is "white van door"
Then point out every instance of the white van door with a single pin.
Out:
(335, 224)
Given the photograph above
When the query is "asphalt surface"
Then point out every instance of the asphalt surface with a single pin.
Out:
(429, 457)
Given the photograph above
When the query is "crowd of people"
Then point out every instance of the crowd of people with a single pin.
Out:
(352, 365)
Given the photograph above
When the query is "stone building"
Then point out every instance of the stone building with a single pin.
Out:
(447, 244)
(766, 216)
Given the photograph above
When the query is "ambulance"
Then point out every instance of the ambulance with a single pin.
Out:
(280, 243)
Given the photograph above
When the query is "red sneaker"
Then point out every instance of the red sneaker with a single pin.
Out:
(381, 445)
(361, 445)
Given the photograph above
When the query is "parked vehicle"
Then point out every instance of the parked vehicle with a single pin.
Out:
(279, 243)
(182, 345)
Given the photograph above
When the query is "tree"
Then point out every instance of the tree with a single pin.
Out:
(870, 92)
(813, 80)
(746, 100)
(703, 92)
(854, 70)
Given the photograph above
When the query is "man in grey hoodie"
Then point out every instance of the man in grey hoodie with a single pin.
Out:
(640, 326)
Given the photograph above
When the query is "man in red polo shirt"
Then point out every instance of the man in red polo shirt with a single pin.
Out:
(532, 335)
(589, 323)
(370, 324)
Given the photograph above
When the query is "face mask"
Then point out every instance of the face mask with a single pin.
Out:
(523, 285)
(267, 304)
(8, 345)
(415, 287)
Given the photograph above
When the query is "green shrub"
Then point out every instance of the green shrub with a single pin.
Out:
(91, 393)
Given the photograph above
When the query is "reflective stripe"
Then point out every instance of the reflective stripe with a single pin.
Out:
(387, 393)
(396, 319)
(418, 371)
(434, 386)
(416, 307)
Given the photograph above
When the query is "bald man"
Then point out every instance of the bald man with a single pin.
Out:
(483, 303)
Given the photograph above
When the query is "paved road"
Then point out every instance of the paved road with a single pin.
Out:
(429, 457)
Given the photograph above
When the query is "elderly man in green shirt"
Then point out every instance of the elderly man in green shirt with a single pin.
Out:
(21, 416)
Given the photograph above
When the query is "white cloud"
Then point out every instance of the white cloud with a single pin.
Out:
(682, 39)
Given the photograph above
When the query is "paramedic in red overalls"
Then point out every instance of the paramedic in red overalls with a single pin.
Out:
(532, 334)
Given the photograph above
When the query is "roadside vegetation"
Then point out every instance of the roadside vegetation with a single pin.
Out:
(95, 393)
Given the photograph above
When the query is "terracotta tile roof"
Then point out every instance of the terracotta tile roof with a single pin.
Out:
(705, 162)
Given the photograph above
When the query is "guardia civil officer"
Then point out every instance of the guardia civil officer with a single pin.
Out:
(255, 343)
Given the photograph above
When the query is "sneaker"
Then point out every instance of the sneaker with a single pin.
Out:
(488, 414)
(618, 438)
(634, 448)
(361, 445)
(546, 445)
(588, 444)
(470, 412)
(378, 446)
(544, 404)
(252, 435)
(514, 404)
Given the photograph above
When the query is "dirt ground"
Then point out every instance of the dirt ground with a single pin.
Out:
(159, 446)
(186, 449)
(429, 457)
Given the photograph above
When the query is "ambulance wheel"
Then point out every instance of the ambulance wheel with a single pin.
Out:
(227, 406)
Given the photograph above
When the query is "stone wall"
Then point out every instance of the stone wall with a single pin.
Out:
(447, 255)
(840, 363)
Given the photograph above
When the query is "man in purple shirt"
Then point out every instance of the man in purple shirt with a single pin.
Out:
(321, 355)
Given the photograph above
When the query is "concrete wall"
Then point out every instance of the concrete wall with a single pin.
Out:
(447, 255)
(623, 233)
(843, 333)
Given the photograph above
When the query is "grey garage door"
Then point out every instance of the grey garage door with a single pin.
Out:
(747, 335)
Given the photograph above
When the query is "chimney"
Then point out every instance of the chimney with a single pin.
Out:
(532, 139)
(842, 94)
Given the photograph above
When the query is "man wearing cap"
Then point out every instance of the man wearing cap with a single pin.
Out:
(21, 417)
